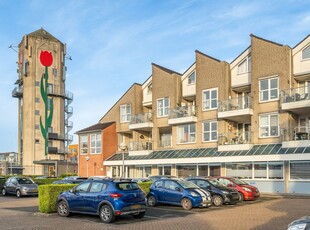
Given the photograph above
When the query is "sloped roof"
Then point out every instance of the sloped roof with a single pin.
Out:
(165, 69)
(43, 33)
(96, 127)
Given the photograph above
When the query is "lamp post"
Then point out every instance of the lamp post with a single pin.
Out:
(87, 159)
(123, 147)
(11, 156)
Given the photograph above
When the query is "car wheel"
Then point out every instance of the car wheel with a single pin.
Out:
(63, 209)
(3, 192)
(139, 216)
(106, 214)
(151, 201)
(241, 197)
(18, 194)
(217, 200)
(186, 204)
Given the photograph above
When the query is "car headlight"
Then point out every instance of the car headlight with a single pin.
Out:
(297, 227)
(24, 188)
(225, 192)
(247, 189)
(194, 194)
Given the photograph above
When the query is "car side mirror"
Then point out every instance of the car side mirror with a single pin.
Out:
(178, 189)
(72, 190)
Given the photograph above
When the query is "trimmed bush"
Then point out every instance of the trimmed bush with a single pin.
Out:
(67, 174)
(145, 186)
(48, 196)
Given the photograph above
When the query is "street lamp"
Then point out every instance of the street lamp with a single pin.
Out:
(11, 156)
(123, 147)
(87, 159)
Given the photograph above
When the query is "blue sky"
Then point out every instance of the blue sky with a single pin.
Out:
(113, 43)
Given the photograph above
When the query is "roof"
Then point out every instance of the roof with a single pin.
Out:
(165, 69)
(301, 41)
(43, 33)
(271, 149)
(197, 51)
(263, 39)
(96, 127)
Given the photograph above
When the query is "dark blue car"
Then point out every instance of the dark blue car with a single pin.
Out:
(106, 198)
(178, 192)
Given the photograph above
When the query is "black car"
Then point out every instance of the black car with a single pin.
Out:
(73, 180)
(303, 224)
(220, 193)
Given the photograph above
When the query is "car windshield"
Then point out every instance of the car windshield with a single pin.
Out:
(216, 183)
(187, 184)
(127, 186)
(25, 181)
(238, 181)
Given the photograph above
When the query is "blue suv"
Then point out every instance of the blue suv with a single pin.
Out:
(106, 198)
(178, 192)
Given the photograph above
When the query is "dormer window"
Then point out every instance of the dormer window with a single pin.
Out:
(245, 66)
(306, 53)
(192, 78)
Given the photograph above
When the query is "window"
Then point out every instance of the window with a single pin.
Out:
(192, 78)
(37, 83)
(84, 144)
(97, 187)
(245, 66)
(300, 170)
(268, 89)
(269, 125)
(163, 105)
(37, 127)
(125, 112)
(82, 187)
(240, 170)
(37, 100)
(171, 185)
(37, 112)
(187, 133)
(95, 143)
(306, 53)
(275, 170)
(260, 170)
(164, 170)
(209, 99)
(49, 103)
(210, 131)
(203, 170)
(186, 170)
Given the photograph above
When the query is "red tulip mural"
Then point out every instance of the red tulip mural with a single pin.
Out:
(46, 59)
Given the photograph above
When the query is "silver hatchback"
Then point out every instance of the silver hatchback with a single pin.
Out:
(20, 186)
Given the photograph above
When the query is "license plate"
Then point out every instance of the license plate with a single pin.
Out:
(135, 206)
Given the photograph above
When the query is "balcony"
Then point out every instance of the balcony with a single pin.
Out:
(235, 141)
(141, 121)
(189, 91)
(68, 124)
(295, 100)
(298, 136)
(17, 91)
(241, 82)
(236, 109)
(140, 148)
(69, 109)
(55, 150)
(181, 115)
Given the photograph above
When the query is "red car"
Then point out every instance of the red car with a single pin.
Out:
(246, 191)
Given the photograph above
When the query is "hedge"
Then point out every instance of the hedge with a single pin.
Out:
(48, 196)
(145, 186)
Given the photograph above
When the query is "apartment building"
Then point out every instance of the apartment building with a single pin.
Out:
(43, 105)
(248, 119)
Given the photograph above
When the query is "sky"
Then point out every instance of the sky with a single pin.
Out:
(113, 43)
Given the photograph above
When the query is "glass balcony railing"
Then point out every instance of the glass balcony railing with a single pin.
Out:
(296, 133)
(294, 94)
(18, 91)
(165, 144)
(141, 118)
(235, 138)
(183, 111)
(235, 104)
(140, 145)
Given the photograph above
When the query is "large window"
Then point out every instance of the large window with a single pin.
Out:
(269, 125)
(300, 170)
(210, 131)
(240, 170)
(95, 143)
(192, 78)
(164, 170)
(209, 99)
(186, 170)
(187, 133)
(83, 144)
(275, 170)
(163, 105)
(125, 113)
(306, 53)
(245, 66)
(269, 89)
(260, 170)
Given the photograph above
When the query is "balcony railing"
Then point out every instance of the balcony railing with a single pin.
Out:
(235, 138)
(297, 133)
(183, 111)
(69, 109)
(141, 118)
(139, 146)
(294, 94)
(235, 104)
(18, 91)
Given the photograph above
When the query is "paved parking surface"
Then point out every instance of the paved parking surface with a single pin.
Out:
(266, 213)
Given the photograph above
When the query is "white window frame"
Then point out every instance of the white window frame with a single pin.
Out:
(209, 123)
(94, 149)
(180, 128)
(302, 58)
(81, 145)
(206, 103)
(193, 82)
(268, 125)
(163, 111)
(125, 113)
(269, 89)
(247, 62)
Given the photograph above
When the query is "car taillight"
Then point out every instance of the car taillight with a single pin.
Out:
(115, 195)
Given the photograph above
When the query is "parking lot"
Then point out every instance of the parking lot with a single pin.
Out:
(265, 213)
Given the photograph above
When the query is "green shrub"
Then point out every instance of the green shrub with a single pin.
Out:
(2, 181)
(145, 186)
(48, 196)
(67, 174)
